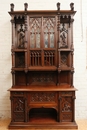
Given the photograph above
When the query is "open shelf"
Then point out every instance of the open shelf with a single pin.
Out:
(43, 115)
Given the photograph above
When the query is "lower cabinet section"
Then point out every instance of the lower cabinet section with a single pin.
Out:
(31, 109)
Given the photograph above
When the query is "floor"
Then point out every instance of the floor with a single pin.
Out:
(82, 125)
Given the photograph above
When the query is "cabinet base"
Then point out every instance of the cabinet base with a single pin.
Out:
(57, 125)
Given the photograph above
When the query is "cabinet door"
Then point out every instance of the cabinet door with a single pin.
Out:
(66, 106)
(18, 108)
(42, 41)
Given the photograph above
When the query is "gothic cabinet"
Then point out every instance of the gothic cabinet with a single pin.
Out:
(42, 93)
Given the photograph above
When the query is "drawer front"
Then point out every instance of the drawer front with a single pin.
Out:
(41, 97)
(16, 93)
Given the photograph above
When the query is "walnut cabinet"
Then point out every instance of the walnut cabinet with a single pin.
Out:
(42, 93)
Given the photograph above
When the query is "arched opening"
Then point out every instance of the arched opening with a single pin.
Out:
(43, 115)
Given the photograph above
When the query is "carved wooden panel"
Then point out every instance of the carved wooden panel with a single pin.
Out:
(45, 78)
(66, 117)
(43, 97)
(19, 104)
(18, 117)
(66, 104)
(65, 59)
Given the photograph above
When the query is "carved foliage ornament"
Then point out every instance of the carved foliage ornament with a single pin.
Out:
(66, 105)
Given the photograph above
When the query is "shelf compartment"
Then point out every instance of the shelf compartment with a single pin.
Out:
(43, 68)
(19, 59)
(64, 78)
(42, 115)
(20, 78)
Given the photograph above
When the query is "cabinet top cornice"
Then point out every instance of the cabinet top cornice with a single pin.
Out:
(50, 12)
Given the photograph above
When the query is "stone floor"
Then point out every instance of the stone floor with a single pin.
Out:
(82, 125)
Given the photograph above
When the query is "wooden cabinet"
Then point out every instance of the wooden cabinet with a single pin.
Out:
(42, 93)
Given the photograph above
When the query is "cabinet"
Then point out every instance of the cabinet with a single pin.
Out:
(42, 93)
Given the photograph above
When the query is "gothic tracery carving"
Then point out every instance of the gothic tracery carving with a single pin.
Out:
(45, 77)
(35, 25)
(19, 104)
(42, 97)
(63, 60)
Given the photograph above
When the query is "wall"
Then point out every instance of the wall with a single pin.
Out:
(80, 55)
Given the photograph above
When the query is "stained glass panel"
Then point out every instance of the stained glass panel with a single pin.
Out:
(46, 40)
(51, 40)
(38, 40)
(32, 40)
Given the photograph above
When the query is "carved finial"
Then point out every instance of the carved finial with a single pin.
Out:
(25, 6)
(58, 6)
(12, 7)
(72, 6)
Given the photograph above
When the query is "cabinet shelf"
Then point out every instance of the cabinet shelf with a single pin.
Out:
(66, 50)
(42, 88)
(19, 50)
(43, 68)
(65, 68)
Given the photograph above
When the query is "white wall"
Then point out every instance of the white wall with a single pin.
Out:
(80, 45)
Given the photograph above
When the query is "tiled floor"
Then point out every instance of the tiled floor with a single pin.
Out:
(82, 125)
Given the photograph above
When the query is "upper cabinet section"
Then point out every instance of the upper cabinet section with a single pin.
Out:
(42, 29)
(42, 32)
(42, 38)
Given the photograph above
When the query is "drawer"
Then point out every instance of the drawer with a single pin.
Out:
(16, 93)
(41, 97)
